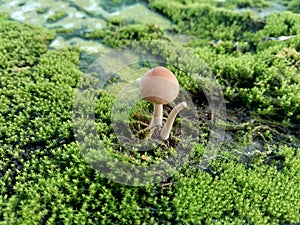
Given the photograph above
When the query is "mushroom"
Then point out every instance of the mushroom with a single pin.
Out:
(159, 86)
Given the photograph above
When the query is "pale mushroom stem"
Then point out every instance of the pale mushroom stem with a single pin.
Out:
(157, 116)
(165, 132)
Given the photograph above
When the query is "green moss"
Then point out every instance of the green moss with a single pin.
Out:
(230, 4)
(250, 3)
(16, 53)
(64, 31)
(47, 180)
(42, 10)
(207, 22)
(117, 36)
(263, 81)
(286, 23)
(115, 21)
(294, 6)
(253, 66)
(56, 16)
(238, 195)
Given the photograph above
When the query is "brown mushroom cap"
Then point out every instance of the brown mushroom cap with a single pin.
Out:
(159, 85)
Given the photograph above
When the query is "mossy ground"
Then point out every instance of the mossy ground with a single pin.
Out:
(255, 177)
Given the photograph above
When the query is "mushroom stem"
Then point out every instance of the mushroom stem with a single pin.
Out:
(165, 132)
(157, 115)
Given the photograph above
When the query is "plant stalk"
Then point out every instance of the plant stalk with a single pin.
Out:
(165, 132)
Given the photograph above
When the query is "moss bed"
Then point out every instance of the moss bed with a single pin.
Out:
(255, 179)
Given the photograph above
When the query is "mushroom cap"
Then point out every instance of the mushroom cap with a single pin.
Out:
(159, 85)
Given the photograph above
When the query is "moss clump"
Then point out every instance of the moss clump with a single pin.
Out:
(66, 31)
(280, 24)
(35, 97)
(265, 82)
(230, 4)
(42, 10)
(294, 6)
(120, 34)
(235, 195)
(250, 3)
(16, 53)
(207, 22)
(56, 16)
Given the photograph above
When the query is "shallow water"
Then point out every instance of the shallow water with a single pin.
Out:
(81, 15)
(273, 7)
